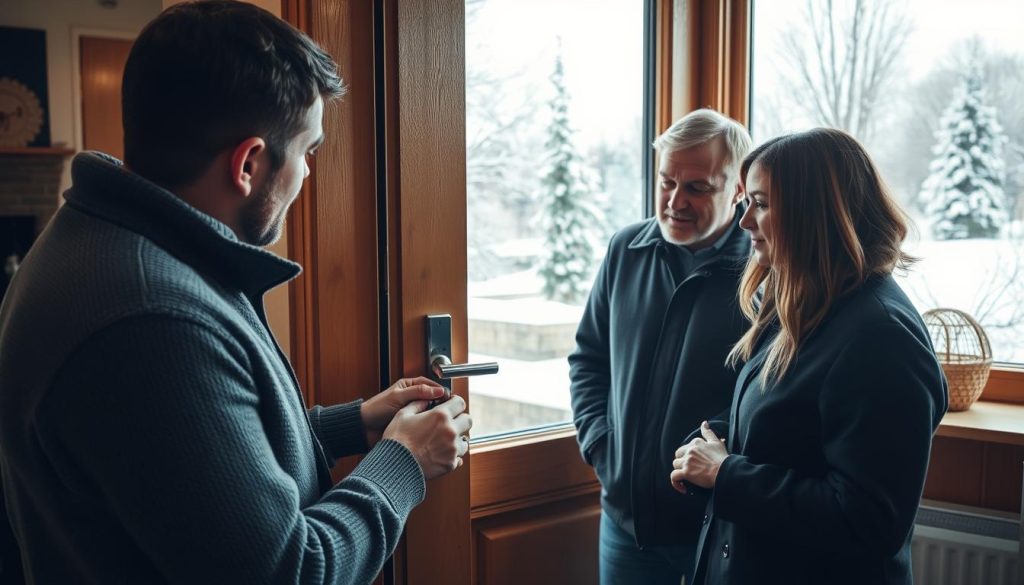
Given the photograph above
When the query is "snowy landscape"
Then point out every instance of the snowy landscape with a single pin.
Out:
(554, 154)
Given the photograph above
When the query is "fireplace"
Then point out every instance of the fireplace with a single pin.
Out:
(17, 232)
(30, 181)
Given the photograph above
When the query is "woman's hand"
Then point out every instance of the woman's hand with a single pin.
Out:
(699, 460)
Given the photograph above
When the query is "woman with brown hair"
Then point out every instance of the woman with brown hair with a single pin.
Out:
(817, 474)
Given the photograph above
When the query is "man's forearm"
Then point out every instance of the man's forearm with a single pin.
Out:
(339, 428)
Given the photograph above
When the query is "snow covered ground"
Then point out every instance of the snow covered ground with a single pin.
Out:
(544, 382)
(982, 277)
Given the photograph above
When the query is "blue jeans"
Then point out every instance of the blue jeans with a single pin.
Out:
(623, 563)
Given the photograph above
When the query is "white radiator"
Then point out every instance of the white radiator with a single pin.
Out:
(956, 545)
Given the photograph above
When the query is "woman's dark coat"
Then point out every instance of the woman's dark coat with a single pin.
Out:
(826, 471)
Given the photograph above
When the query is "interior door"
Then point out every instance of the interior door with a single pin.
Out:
(102, 65)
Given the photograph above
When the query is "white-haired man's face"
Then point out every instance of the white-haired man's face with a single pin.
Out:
(696, 198)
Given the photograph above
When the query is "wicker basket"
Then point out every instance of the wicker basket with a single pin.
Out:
(964, 352)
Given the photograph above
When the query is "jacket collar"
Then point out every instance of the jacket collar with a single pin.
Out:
(103, 188)
(736, 248)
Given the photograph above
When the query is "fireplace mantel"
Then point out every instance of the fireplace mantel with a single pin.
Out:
(35, 151)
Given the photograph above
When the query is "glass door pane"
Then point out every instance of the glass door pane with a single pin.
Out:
(554, 140)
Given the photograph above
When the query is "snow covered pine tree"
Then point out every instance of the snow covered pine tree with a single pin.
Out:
(963, 195)
(569, 217)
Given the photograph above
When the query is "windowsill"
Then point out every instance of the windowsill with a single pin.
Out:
(991, 422)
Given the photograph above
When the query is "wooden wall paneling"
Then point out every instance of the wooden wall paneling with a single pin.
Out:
(665, 58)
(716, 49)
(1001, 489)
(712, 53)
(389, 17)
(301, 312)
(431, 183)
(332, 226)
(555, 544)
(975, 473)
(300, 245)
(548, 466)
(691, 54)
(955, 471)
(736, 99)
(388, 75)
(344, 214)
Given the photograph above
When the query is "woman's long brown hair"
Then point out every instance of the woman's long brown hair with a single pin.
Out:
(834, 225)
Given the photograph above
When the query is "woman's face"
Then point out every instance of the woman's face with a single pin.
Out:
(757, 218)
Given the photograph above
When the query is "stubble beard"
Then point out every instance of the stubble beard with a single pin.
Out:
(261, 223)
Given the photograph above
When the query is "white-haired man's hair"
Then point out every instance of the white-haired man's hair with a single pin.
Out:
(702, 126)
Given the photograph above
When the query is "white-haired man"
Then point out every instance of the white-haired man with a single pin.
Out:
(650, 359)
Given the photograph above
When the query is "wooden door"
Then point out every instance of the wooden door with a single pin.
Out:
(102, 66)
(390, 181)
(522, 510)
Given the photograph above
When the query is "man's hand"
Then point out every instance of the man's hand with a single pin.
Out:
(378, 411)
(438, 438)
(699, 460)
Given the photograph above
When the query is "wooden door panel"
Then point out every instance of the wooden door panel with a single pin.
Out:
(102, 66)
(532, 470)
(975, 473)
(552, 544)
(526, 492)
(431, 251)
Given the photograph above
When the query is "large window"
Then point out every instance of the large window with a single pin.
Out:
(554, 142)
(933, 89)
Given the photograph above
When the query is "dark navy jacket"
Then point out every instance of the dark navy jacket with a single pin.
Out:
(648, 367)
(828, 465)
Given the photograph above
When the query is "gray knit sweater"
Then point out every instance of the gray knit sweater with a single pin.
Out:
(151, 430)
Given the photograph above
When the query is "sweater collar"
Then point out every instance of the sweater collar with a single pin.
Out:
(103, 188)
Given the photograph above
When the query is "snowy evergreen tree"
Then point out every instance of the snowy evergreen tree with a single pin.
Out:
(569, 217)
(963, 194)
(617, 170)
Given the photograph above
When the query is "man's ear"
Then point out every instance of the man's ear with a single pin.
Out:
(247, 162)
(738, 195)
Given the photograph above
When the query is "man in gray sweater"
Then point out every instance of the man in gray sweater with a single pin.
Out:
(151, 430)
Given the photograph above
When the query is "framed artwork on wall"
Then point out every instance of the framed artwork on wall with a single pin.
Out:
(24, 102)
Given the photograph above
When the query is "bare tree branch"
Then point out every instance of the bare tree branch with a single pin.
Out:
(845, 61)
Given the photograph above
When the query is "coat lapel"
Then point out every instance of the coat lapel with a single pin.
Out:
(750, 369)
(747, 375)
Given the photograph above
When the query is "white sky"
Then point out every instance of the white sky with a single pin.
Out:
(938, 25)
(602, 52)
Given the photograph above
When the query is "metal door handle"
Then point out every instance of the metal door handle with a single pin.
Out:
(444, 369)
(439, 351)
